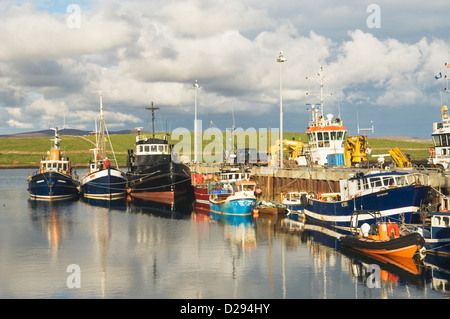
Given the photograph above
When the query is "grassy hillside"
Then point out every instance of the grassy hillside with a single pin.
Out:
(27, 152)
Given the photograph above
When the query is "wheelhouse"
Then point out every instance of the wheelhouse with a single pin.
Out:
(334, 137)
(377, 182)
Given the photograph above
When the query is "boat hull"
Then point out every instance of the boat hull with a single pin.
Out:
(405, 246)
(237, 207)
(202, 204)
(166, 183)
(104, 184)
(438, 241)
(52, 186)
(394, 203)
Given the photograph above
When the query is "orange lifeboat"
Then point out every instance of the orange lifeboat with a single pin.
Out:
(383, 238)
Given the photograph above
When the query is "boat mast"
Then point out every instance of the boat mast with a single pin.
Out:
(153, 117)
(315, 116)
(56, 139)
(102, 144)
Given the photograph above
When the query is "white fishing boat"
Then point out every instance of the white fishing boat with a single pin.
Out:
(326, 135)
(103, 181)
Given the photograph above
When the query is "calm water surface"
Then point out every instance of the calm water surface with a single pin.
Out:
(132, 251)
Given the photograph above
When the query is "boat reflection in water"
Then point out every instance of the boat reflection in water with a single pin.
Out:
(182, 208)
(392, 270)
(239, 230)
(114, 204)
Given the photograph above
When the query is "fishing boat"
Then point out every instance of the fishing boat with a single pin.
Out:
(435, 227)
(437, 239)
(326, 136)
(154, 174)
(382, 238)
(55, 179)
(200, 182)
(270, 208)
(103, 181)
(232, 198)
(292, 202)
(397, 195)
(440, 152)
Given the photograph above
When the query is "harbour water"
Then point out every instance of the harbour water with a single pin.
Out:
(125, 250)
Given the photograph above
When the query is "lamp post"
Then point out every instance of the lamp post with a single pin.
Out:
(195, 123)
(280, 60)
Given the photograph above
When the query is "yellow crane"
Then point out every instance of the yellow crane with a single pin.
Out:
(294, 148)
(400, 159)
(356, 150)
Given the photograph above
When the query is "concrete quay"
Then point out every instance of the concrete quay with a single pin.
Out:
(275, 182)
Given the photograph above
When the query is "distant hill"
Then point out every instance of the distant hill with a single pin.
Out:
(66, 131)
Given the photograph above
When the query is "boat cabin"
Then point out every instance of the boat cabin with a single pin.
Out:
(224, 189)
(440, 153)
(62, 166)
(149, 152)
(55, 163)
(375, 182)
(326, 137)
(151, 146)
(234, 176)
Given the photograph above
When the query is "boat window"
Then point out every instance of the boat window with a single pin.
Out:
(375, 182)
(333, 136)
(400, 180)
(147, 148)
(365, 183)
(443, 140)
(59, 166)
(340, 135)
(445, 220)
(154, 148)
(65, 167)
(319, 136)
(388, 181)
(161, 148)
(358, 184)
(141, 148)
(436, 140)
(326, 137)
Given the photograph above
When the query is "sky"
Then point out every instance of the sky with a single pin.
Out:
(380, 60)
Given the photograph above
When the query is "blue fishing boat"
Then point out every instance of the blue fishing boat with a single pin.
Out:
(55, 179)
(103, 181)
(232, 198)
(396, 195)
(435, 228)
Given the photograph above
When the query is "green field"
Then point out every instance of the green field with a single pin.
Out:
(27, 152)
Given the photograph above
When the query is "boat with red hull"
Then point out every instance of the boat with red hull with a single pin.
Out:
(200, 183)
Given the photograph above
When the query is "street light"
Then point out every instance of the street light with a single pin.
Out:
(280, 60)
(195, 124)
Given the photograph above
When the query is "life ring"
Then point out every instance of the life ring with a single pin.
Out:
(395, 228)
(431, 150)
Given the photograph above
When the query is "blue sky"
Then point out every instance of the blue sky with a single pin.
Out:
(143, 51)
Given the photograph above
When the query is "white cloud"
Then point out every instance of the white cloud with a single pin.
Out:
(21, 125)
(26, 34)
